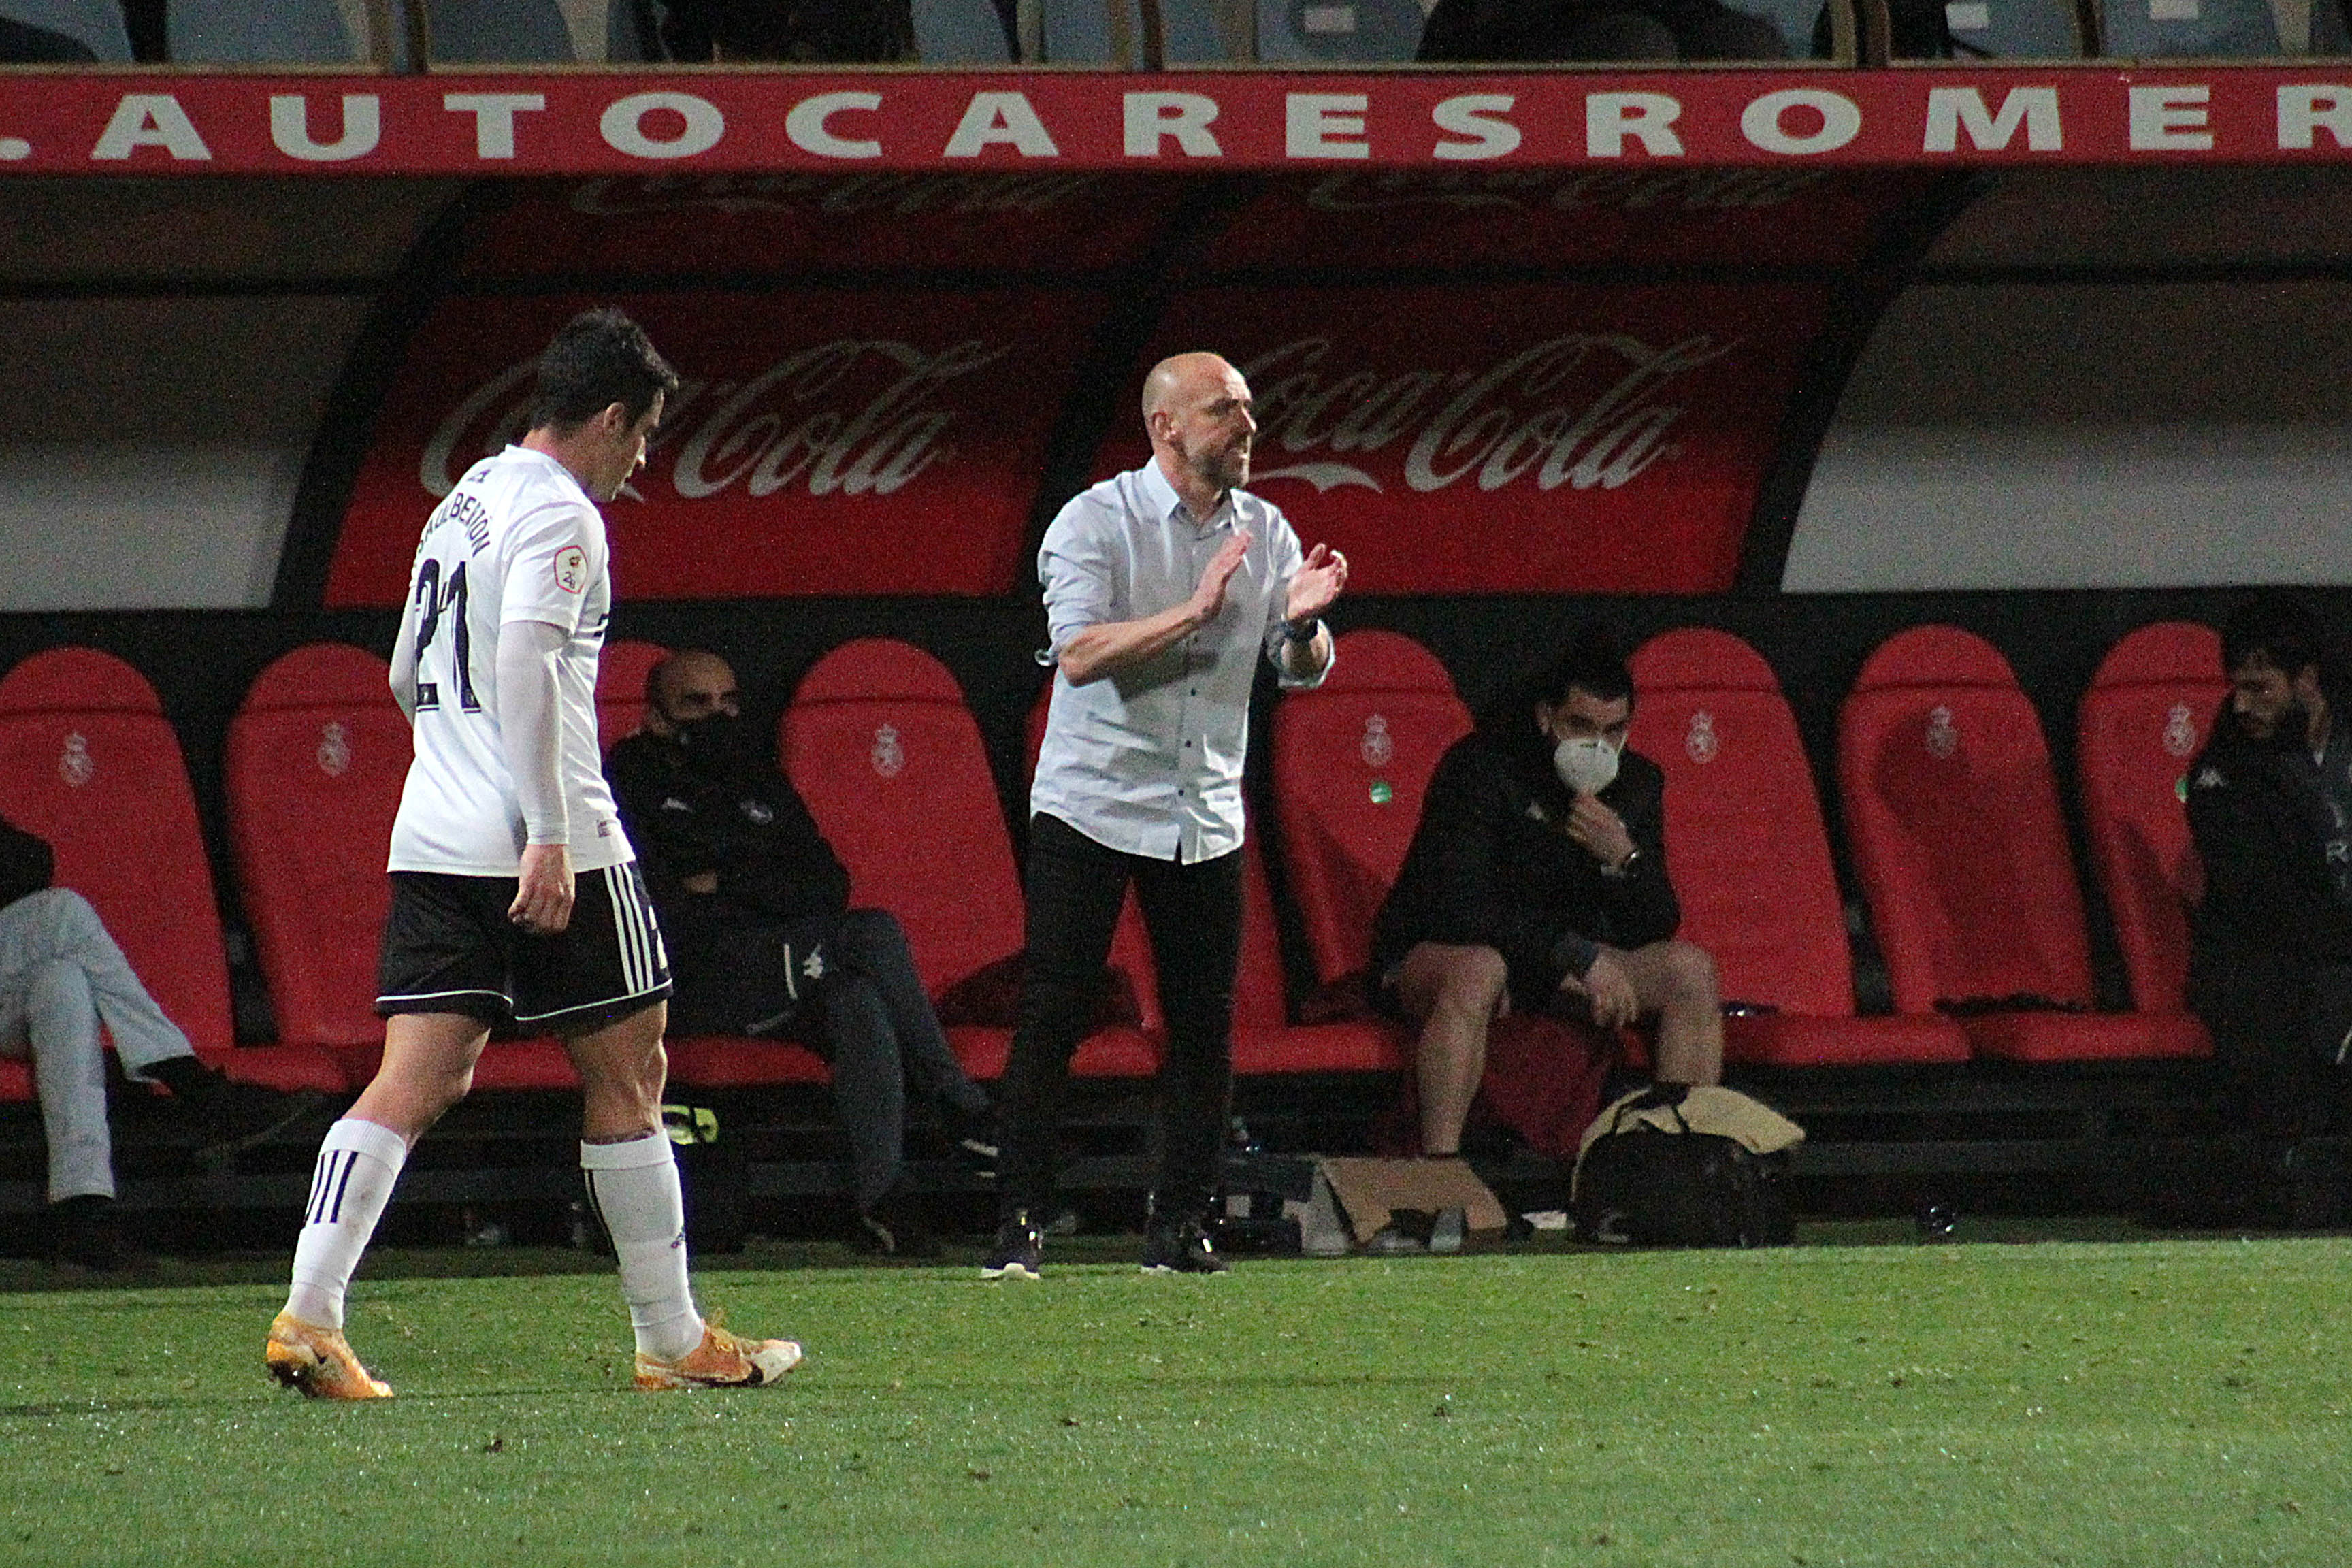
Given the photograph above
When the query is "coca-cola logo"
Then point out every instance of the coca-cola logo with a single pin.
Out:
(886, 194)
(1537, 190)
(1585, 409)
(814, 420)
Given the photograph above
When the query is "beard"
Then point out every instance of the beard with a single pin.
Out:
(1227, 466)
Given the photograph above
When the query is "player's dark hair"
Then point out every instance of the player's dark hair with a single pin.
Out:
(1593, 661)
(600, 358)
(2277, 629)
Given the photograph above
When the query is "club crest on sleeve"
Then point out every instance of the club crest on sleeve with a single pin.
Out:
(572, 569)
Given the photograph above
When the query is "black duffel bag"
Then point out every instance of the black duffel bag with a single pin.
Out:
(1649, 1174)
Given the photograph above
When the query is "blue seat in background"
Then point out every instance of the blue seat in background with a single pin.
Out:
(1111, 32)
(2013, 29)
(1367, 30)
(233, 32)
(498, 32)
(959, 33)
(96, 25)
(2190, 29)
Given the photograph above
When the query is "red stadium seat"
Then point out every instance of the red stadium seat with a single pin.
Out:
(89, 762)
(1959, 848)
(15, 1082)
(2150, 711)
(621, 672)
(1749, 860)
(316, 758)
(728, 1061)
(878, 741)
(1265, 1041)
(1352, 762)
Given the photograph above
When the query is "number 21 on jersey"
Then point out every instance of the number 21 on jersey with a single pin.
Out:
(435, 600)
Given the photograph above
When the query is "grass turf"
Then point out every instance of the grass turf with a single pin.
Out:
(2167, 1402)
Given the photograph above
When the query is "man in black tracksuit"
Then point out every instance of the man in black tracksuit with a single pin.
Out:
(754, 909)
(2270, 807)
(1536, 880)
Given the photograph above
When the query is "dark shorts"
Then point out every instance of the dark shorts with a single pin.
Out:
(449, 947)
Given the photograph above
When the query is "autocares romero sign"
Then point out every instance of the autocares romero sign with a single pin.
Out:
(605, 123)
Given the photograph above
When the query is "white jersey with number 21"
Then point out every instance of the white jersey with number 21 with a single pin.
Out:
(517, 540)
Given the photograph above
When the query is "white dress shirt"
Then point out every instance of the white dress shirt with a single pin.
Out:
(1148, 759)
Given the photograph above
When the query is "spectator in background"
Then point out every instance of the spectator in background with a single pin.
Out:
(1536, 880)
(61, 977)
(755, 908)
(2270, 808)
(1485, 31)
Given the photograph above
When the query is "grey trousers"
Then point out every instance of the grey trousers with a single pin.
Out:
(60, 977)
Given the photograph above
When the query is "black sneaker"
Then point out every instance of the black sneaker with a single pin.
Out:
(83, 1232)
(1020, 1250)
(1182, 1248)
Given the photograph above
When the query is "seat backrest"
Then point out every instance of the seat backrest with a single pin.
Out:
(89, 762)
(1111, 32)
(1338, 31)
(1798, 22)
(230, 32)
(316, 756)
(499, 32)
(2149, 712)
(878, 741)
(1952, 815)
(1351, 765)
(2191, 29)
(1745, 849)
(2014, 29)
(96, 25)
(621, 671)
(958, 33)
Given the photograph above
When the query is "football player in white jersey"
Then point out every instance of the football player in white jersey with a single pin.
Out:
(516, 896)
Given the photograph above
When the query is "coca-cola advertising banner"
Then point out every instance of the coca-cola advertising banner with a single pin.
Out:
(632, 122)
(1524, 439)
(824, 443)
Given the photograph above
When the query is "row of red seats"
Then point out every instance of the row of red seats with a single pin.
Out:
(1951, 810)
(1946, 782)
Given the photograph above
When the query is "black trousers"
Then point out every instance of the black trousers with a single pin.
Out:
(865, 1012)
(1193, 913)
(2279, 1022)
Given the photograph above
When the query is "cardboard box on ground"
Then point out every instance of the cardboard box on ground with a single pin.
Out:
(1353, 1198)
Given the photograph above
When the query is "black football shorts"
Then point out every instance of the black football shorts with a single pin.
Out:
(449, 947)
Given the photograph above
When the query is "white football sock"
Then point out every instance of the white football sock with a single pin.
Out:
(634, 1188)
(358, 1163)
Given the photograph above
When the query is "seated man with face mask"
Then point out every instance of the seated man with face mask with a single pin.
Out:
(1537, 881)
(754, 909)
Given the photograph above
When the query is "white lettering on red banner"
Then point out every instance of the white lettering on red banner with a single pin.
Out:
(592, 124)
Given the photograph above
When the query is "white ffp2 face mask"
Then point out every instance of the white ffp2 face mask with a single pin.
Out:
(1586, 763)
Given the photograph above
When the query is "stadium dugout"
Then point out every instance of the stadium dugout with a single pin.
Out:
(1970, 360)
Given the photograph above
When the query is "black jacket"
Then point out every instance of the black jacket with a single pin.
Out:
(747, 823)
(1491, 865)
(27, 863)
(2262, 828)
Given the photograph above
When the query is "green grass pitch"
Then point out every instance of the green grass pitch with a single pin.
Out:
(2152, 1402)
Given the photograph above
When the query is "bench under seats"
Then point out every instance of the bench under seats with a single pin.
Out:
(2150, 711)
(316, 756)
(1749, 860)
(89, 762)
(879, 744)
(1952, 815)
(1352, 760)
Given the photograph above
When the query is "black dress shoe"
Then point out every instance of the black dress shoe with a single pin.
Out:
(1182, 1248)
(1020, 1250)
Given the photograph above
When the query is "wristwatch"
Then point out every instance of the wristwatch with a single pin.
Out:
(1290, 630)
(1623, 868)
